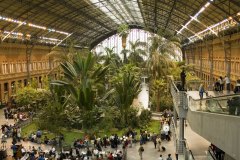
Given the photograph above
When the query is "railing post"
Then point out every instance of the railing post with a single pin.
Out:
(175, 116)
(182, 106)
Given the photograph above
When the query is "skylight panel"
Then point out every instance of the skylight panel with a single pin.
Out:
(103, 6)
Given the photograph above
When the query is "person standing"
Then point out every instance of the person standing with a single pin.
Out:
(140, 151)
(227, 81)
(221, 83)
(183, 78)
(158, 143)
(160, 157)
(169, 157)
(154, 139)
(201, 91)
(4, 141)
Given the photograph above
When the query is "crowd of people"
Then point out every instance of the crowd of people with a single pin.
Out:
(113, 147)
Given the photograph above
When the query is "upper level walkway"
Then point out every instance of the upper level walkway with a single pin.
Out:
(215, 117)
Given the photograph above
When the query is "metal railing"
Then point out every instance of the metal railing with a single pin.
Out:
(210, 154)
(187, 152)
(174, 134)
(223, 104)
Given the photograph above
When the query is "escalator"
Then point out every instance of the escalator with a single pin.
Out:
(217, 119)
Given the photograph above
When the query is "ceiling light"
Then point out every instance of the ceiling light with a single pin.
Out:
(195, 16)
(31, 25)
(207, 4)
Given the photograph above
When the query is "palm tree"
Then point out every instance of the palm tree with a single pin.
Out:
(137, 51)
(162, 52)
(124, 91)
(82, 78)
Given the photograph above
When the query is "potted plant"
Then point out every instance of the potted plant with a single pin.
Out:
(123, 31)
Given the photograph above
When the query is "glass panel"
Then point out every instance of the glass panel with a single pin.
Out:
(229, 104)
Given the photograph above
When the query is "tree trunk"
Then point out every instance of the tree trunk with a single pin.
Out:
(124, 41)
(158, 101)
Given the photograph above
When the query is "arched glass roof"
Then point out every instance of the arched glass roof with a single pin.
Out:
(88, 22)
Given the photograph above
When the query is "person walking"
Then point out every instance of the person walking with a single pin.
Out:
(154, 139)
(140, 151)
(158, 143)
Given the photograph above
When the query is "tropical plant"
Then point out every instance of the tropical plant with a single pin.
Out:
(137, 52)
(29, 96)
(82, 78)
(124, 91)
(145, 117)
(123, 31)
(52, 117)
(162, 53)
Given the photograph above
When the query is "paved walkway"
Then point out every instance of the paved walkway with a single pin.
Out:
(197, 144)
(132, 153)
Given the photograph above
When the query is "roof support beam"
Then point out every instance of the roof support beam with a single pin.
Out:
(141, 10)
(115, 9)
(24, 12)
(155, 16)
(128, 10)
(196, 26)
(74, 9)
(170, 15)
(223, 11)
(43, 9)
(237, 3)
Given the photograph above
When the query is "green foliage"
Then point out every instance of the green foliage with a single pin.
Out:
(34, 83)
(189, 69)
(136, 52)
(132, 118)
(45, 82)
(124, 91)
(29, 95)
(145, 117)
(82, 79)
(123, 30)
(52, 117)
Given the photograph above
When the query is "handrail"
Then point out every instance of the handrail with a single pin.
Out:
(217, 97)
(191, 154)
(175, 87)
(188, 149)
(175, 128)
(209, 151)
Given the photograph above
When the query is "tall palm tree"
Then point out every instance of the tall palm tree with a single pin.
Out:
(137, 51)
(162, 52)
(124, 91)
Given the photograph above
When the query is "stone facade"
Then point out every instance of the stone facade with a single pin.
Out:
(16, 66)
(215, 58)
